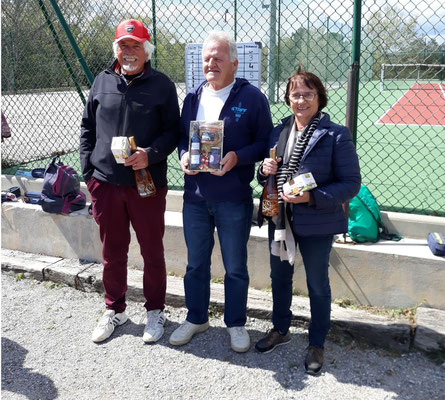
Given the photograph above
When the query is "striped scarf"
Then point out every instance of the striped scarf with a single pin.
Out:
(287, 170)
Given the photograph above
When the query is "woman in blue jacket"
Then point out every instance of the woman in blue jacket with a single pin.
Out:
(307, 141)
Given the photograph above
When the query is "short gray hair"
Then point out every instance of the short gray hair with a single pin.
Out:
(221, 36)
(148, 47)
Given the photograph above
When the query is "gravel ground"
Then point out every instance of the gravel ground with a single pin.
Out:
(47, 353)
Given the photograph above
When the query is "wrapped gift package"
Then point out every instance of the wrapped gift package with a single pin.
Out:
(120, 148)
(299, 184)
(206, 145)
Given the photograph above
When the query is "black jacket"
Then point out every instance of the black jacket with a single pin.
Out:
(147, 108)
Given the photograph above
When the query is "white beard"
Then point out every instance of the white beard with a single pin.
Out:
(129, 67)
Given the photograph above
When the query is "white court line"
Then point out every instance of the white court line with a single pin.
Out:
(441, 89)
(400, 124)
(390, 108)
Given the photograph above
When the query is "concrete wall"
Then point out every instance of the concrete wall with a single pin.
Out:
(407, 225)
(391, 274)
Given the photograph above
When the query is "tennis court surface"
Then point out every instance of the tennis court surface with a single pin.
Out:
(422, 104)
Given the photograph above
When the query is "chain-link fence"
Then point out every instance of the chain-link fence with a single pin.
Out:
(401, 105)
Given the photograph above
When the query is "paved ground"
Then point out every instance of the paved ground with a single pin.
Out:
(47, 354)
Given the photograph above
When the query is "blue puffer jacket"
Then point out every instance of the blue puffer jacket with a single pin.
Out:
(247, 125)
(331, 158)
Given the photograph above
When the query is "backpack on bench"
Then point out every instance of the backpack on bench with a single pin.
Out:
(365, 221)
(61, 192)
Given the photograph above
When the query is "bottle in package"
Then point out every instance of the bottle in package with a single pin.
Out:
(144, 181)
(205, 145)
(269, 206)
(195, 150)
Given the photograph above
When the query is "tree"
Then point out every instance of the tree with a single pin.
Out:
(322, 52)
(33, 58)
(397, 39)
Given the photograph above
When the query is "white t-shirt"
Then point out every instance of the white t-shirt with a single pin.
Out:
(212, 102)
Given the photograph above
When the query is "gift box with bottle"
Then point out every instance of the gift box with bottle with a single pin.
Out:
(299, 184)
(206, 145)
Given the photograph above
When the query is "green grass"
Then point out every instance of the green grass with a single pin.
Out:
(408, 313)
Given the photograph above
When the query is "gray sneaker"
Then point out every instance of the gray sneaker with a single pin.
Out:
(272, 340)
(239, 339)
(106, 325)
(154, 329)
(314, 360)
(184, 333)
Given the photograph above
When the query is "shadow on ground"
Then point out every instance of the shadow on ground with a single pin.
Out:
(286, 362)
(18, 379)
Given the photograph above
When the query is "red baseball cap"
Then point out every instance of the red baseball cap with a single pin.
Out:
(132, 29)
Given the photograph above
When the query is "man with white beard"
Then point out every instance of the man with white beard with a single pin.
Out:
(130, 99)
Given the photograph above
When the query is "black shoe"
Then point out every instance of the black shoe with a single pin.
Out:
(272, 339)
(314, 360)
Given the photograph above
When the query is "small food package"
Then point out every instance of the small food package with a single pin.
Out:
(299, 184)
(120, 148)
(206, 145)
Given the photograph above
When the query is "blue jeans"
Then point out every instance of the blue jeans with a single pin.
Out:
(232, 221)
(315, 251)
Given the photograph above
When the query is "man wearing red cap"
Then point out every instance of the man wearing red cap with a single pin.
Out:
(130, 99)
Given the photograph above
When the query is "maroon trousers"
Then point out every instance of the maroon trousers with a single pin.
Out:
(114, 207)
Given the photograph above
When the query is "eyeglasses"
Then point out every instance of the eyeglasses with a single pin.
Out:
(308, 96)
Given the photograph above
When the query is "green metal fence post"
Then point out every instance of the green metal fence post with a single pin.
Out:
(327, 49)
(442, 54)
(73, 43)
(154, 41)
(353, 76)
(352, 95)
(234, 19)
(278, 51)
(307, 39)
(62, 50)
(272, 50)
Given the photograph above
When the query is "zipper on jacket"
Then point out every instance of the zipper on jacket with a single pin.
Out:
(308, 150)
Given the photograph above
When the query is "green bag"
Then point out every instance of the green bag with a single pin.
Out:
(365, 221)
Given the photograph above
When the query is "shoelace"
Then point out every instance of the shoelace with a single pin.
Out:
(239, 331)
(185, 327)
(108, 319)
(154, 319)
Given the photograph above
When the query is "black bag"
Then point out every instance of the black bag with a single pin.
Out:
(61, 189)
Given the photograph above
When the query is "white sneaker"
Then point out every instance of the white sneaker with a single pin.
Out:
(154, 329)
(106, 325)
(185, 332)
(239, 339)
